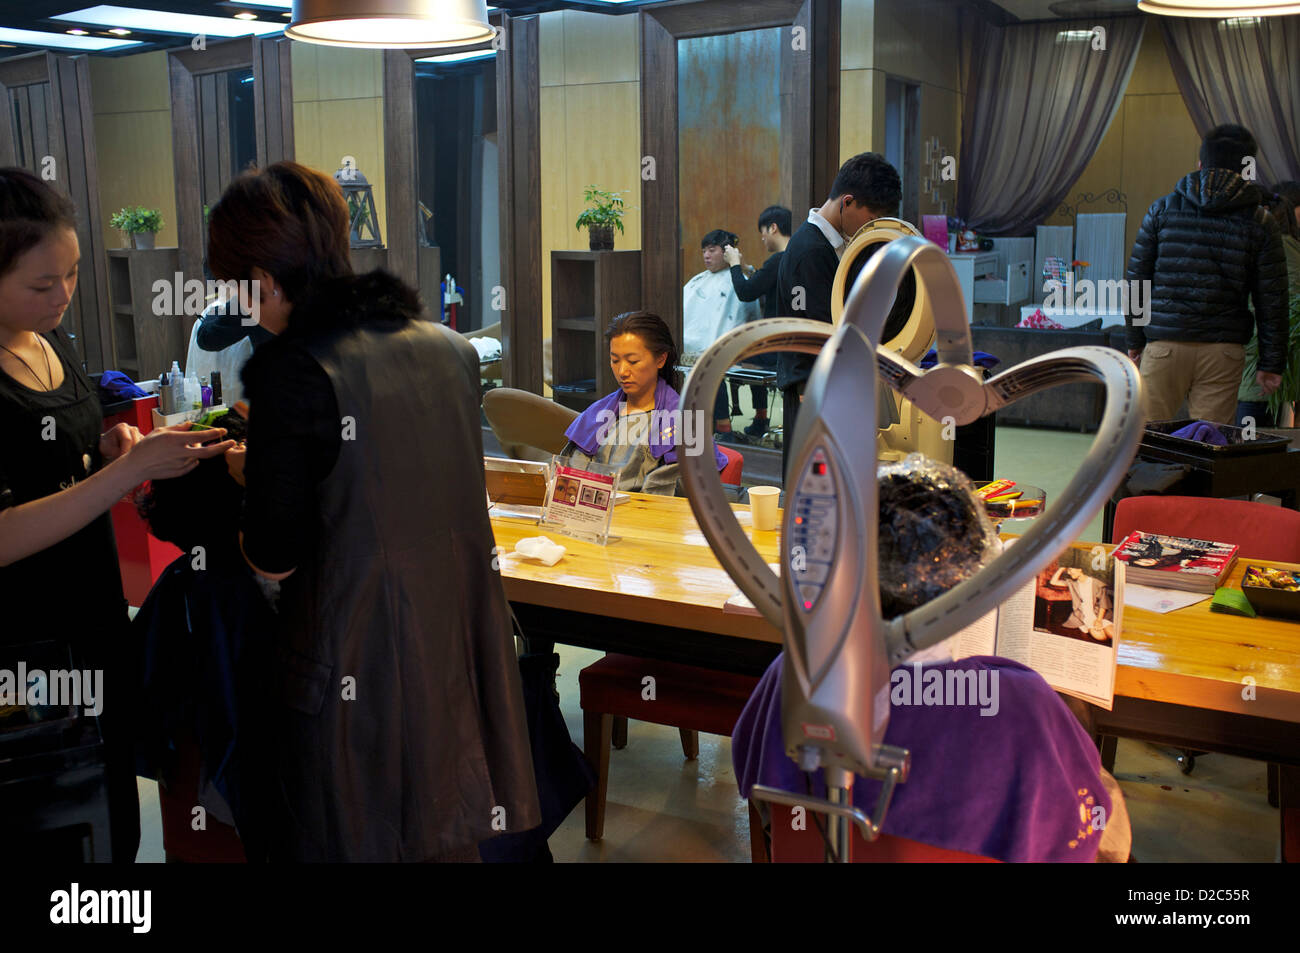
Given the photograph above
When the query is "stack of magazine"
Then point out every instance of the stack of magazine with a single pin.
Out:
(1175, 562)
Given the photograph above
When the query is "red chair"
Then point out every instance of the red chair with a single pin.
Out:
(1262, 532)
(687, 698)
(790, 846)
(735, 467)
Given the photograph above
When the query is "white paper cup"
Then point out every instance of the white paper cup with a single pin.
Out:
(762, 507)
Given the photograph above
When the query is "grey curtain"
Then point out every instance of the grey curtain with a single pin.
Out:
(1036, 108)
(1247, 74)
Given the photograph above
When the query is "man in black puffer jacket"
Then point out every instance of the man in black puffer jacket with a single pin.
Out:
(1207, 249)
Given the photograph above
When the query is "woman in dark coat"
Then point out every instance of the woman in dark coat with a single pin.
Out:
(400, 731)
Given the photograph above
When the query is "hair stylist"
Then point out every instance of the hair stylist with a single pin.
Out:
(59, 476)
(399, 725)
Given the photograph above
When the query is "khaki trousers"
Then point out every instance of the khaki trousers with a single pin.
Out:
(1207, 376)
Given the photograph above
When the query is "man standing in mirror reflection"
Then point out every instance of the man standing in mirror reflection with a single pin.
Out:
(774, 233)
(710, 309)
(866, 188)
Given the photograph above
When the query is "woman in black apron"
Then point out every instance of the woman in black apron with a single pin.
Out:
(59, 475)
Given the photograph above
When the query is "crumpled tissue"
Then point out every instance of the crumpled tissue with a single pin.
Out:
(541, 549)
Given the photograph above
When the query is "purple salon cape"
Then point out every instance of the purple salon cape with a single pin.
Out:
(583, 431)
(1021, 785)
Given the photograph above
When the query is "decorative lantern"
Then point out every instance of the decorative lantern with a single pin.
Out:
(363, 224)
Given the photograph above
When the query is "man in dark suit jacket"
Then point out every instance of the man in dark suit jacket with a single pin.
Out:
(866, 188)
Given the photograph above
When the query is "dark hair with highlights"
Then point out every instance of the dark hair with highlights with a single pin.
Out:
(287, 219)
(29, 211)
(656, 337)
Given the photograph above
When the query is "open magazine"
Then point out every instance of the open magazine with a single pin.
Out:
(1065, 625)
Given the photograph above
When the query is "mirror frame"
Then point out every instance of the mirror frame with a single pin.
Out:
(810, 145)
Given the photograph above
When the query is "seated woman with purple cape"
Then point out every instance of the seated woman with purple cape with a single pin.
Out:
(635, 429)
(1006, 771)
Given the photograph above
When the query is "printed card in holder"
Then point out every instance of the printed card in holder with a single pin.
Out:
(580, 500)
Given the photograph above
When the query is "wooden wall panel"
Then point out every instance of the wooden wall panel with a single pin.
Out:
(661, 284)
(399, 165)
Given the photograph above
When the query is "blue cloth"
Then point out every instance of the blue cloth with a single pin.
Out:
(1204, 432)
(980, 359)
(117, 385)
(584, 431)
(201, 641)
(1021, 785)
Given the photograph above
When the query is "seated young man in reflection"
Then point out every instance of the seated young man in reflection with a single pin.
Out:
(635, 429)
(1005, 771)
(711, 308)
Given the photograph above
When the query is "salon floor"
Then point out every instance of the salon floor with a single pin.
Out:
(662, 807)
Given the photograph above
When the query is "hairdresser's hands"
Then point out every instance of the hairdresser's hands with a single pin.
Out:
(235, 457)
(731, 255)
(118, 441)
(1135, 356)
(1268, 382)
(174, 451)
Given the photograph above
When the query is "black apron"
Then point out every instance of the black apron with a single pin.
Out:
(72, 591)
(402, 732)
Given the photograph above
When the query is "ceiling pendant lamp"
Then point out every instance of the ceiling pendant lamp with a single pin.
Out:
(390, 24)
(1222, 9)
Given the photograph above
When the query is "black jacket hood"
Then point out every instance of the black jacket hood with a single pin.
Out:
(376, 299)
(1218, 190)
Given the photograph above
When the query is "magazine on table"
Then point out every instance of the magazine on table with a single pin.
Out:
(1065, 625)
(1175, 562)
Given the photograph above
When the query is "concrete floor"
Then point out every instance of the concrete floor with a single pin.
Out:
(662, 807)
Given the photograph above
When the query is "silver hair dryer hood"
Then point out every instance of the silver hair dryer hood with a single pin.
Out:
(838, 648)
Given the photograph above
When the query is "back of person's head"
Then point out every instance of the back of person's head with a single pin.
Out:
(656, 337)
(871, 181)
(1289, 189)
(1282, 209)
(287, 219)
(1226, 146)
(720, 237)
(776, 215)
(201, 508)
(29, 211)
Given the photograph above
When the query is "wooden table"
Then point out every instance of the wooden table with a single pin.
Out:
(656, 590)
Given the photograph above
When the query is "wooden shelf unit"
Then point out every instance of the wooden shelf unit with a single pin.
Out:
(145, 344)
(588, 290)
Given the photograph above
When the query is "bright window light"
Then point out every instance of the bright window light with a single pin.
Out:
(1072, 36)
(158, 21)
(458, 57)
(63, 41)
(1241, 21)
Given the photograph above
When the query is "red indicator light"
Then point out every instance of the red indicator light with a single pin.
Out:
(798, 519)
(807, 605)
(819, 468)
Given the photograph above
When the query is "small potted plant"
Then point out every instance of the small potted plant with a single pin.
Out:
(141, 224)
(603, 214)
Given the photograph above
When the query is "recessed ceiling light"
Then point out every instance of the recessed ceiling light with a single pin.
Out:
(63, 41)
(120, 32)
(158, 21)
(245, 16)
(276, 4)
(79, 32)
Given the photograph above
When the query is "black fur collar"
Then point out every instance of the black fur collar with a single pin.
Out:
(374, 300)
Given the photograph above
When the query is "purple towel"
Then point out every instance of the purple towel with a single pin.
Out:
(978, 358)
(585, 430)
(1204, 432)
(118, 385)
(1021, 785)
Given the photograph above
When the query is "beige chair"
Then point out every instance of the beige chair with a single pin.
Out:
(527, 426)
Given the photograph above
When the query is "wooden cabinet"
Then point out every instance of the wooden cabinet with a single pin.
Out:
(588, 290)
(145, 343)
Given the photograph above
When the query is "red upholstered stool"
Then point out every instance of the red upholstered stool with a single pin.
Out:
(687, 698)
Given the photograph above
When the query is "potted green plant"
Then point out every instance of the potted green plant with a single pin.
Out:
(141, 224)
(603, 214)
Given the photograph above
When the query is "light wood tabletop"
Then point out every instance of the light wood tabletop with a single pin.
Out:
(661, 570)
(657, 568)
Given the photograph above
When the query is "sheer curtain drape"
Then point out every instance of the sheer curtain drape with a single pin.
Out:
(1245, 73)
(1037, 105)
